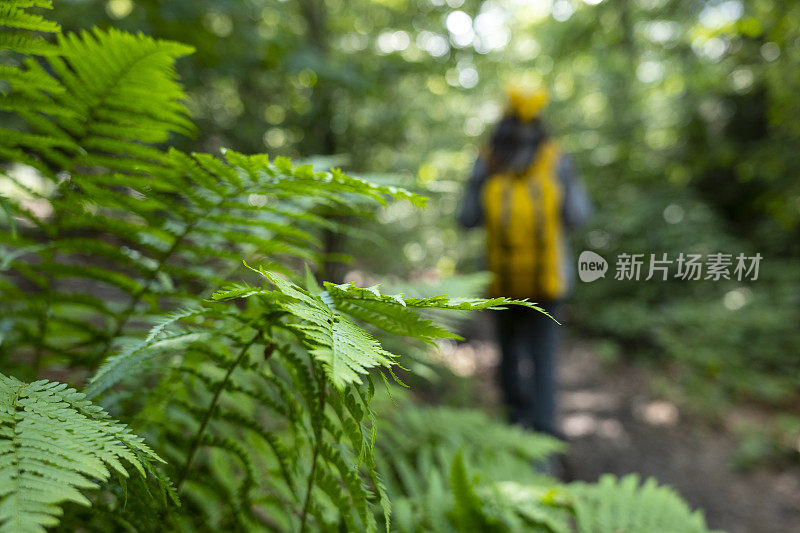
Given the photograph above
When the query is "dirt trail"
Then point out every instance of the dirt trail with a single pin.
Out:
(615, 425)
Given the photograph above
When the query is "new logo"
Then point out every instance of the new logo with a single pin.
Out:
(591, 266)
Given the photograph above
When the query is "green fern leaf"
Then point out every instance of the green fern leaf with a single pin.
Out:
(398, 314)
(123, 88)
(613, 505)
(468, 512)
(13, 15)
(53, 444)
(345, 350)
(118, 366)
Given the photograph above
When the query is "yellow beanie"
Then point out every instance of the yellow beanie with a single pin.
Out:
(525, 103)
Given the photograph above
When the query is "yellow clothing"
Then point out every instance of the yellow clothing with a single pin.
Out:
(524, 229)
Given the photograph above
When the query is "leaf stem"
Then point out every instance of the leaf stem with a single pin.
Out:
(207, 417)
(320, 379)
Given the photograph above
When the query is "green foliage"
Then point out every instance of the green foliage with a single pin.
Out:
(623, 505)
(291, 343)
(54, 444)
(332, 337)
(456, 470)
(468, 513)
(428, 455)
(259, 399)
(138, 223)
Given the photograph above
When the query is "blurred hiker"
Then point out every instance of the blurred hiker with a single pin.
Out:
(525, 192)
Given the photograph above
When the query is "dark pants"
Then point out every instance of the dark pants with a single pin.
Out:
(528, 341)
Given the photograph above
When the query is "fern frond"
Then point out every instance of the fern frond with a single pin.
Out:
(125, 86)
(417, 454)
(169, 245)
(624, 504)
(14, 14)
(468, 512)
(111, 92)
(273, 398)
(396, 313)
(150, 223)
(347, 351)
(54, 444)
(117, 367)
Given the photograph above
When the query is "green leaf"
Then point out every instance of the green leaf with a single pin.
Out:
(345, 350)
(468, 512)
(54, 445)
(612, 505)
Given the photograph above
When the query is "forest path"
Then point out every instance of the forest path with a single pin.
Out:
(614, 424)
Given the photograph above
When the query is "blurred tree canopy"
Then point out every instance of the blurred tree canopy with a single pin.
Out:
(661, 92)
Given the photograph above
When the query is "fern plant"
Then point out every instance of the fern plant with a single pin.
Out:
(426, 452)
(302, 364)
(122, 271)
(53, 444)
(624, 505)
(456, 470)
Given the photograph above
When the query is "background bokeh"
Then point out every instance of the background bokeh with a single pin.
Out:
(681, 116)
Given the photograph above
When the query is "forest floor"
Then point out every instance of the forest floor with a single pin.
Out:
(615, 424)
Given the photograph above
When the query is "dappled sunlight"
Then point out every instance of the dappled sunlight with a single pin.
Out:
(467, 359)
(657, 413)
(577, 425)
